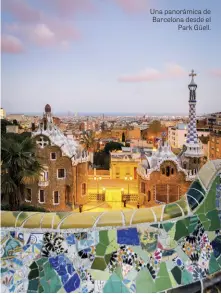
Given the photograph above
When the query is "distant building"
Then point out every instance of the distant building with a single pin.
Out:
(177, 135)
(124, 164)
(215, 137)
(2, 113)
(12, 129)
(18, 117)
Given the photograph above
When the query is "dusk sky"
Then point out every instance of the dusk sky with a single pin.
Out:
(107, 56)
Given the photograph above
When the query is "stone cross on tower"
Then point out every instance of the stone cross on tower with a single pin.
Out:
(192, 74)
(192, 132)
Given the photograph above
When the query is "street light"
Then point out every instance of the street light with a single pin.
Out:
(128, 179)
(97, 179)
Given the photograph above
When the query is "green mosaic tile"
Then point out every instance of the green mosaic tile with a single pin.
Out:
(41, 261)
(49, 271)
(33, 265)
(204, 220)
(113, 246)
(144, 282)
(211, 235)
(112, 235)
(140, 252)
(176, 271)
(103, 237)
(191, 224)
(172, 279)
(209, 202)
(40, 289)
(33, 285)
(219, 261)
(114, 285)
(33, 274)
(100, 250)
(181, 230)
(55, 284)
(45, 284)
(187, 277)
(99, 275)
(168, 226)
(215, 221)
(163, 279)
(118, 272)
(107, 258)
(99, 264)
(213, 265)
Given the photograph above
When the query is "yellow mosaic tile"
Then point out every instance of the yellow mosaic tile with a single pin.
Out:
(142, 215)
(8, 218)
(23, 216)
(158, 211)
(34, 221)
(127, 216)
(47, 220)
(80, 220)
(171, 211)
(113, 218)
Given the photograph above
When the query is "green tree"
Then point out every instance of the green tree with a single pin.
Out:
(88, 141)
(20, 166)
(155, 128)
(123, 137)
(110, 146)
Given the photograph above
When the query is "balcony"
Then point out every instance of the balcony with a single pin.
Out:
(43, 183)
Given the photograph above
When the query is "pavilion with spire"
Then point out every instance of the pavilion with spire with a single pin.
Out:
(192, 150)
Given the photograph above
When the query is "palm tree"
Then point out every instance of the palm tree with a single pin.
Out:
(20, 166)
(88, 141)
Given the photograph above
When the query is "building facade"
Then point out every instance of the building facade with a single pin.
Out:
(124, 165)
(161, 179)
(177, 135)
(63, 181)
(164, 176)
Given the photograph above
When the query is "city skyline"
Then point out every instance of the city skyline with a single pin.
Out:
(87, 56)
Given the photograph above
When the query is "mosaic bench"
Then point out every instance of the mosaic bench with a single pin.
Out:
(173, 247)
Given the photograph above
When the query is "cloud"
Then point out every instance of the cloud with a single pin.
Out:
(51, 32)
(11, 44)
(44, 27)
(171, 70)
(133, 6)
(21, 10)
(148, 74)
(216, 72)
(68, 8)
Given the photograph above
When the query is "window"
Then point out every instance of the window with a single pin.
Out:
(167, 171)
(185, 135)
(41, 198)
(44, 176)
(149, 196)
(61, 173)
(184, 165)
(67, 194)
(56, 198)
(53, 155)
(28, 195)
(83, 189)
(143, 187)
